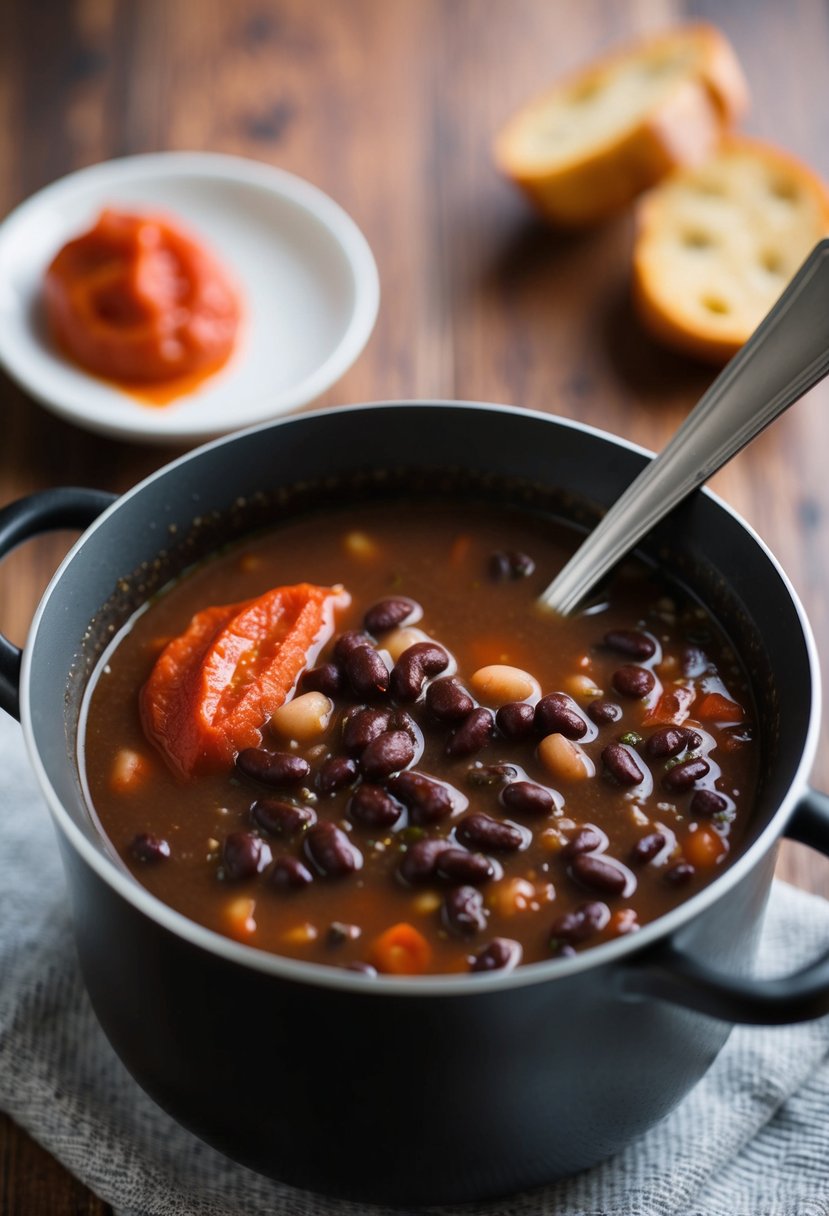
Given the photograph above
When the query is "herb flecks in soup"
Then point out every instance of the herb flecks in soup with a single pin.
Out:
(433, 775)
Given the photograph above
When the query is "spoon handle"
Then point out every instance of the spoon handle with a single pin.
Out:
(786, 355)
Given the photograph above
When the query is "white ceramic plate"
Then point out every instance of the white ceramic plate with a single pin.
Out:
(310, 285)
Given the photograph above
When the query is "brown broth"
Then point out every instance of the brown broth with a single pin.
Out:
(438, 555)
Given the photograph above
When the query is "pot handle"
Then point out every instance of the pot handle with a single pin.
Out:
(47, 511)
(673, 976)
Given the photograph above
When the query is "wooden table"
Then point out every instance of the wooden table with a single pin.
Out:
(390, 105)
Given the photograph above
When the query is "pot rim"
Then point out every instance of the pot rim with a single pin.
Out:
(318, 974)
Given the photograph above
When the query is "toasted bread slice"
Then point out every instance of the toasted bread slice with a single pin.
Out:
(585, 149)
(716, 245)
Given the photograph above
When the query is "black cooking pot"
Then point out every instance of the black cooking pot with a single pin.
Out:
(416, 1090)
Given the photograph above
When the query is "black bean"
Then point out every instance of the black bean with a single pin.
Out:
(502, 954)
(511, 565)
(387, 614)
(244, 855)
(387, 754)
(427, 800)
(683, 776)
(621, 763)
(347, 642)
(603, 712)
(458, 865)
(447, 700)
(337, 772)
(599, 873)
(498, 566)
(694, 662)
(586, 840)
(679, 874)
(339, 932)
(360, 727)
(633, 681)
(647, 848)
(327, 678)
(401, 720)
(374, 807)
(331, 851)
(632, 642)
(418, 863)
(481, 831)
(272, 768)
(414, 667)
(147, 847)
(671, 740)
(474, 732)
(557, 714)
(491, 774)
(708, 802)
(580, 923)
(527, 798)
(279, 818)
(463, 911)
(366, 672)
(290, 872)
(516, 720)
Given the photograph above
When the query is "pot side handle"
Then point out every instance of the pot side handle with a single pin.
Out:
(673, 976)
(47, 511)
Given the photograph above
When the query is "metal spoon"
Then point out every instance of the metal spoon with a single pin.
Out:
(786, 355)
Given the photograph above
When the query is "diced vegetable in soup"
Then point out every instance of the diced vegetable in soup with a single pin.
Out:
(357, 740)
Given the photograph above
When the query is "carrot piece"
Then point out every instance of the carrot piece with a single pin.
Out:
(714, 707)
(213, 688)
(672, 708)
(401, 950)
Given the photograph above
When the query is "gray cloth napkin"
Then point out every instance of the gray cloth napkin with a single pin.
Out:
(751, 1140)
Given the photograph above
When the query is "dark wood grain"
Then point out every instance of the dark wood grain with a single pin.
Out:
(390, 105)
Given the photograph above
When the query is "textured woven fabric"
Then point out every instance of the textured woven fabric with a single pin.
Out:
(751, 1140)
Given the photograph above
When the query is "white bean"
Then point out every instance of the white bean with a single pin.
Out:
(564, 759)
(398, 640)
(498, 684)
(304, 718)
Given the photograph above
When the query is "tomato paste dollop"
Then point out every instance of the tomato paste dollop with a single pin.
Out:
(139, 301)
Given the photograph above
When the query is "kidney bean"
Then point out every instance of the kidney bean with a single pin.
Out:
(281, 818)
(633, 681)
(474, 732)
(147, 847)
(327, 679)
(516, 720)
(244, 855)
(447, 700)
(586, 840)
(671, 740)
(602, 712)
(491, 774)
(374, 807)
(337, 772)
(682, 776)
(708, 802)
(502, 954)
(527, 798)
(599, 874)
(387, 614)
(427, 800)
(511, 565)
(458, 865)
(621, 764)
(694, 662)
(401, 720)
(418, 863)
(414, 666)
(366, 672)
(679, 874)
(631, 642)
(557, 714)
(289, 872)
(360, 728)
(347, 642)
(387, 754)
(463, 911)
(579, 923)
(494, 835)
(272, 768)
(647, 848)
(340, 932)
(331, 851)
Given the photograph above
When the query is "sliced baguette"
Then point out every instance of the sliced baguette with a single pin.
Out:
(586, 148)
(716, 245)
